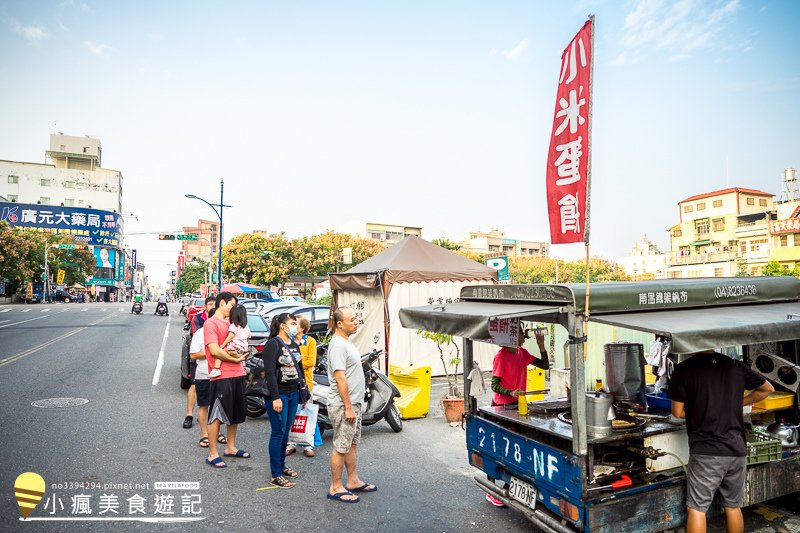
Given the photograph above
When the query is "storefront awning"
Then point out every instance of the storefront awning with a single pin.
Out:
(694, 330)
(468, 319)
(700, 243)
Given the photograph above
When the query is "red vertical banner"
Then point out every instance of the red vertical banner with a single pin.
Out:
(568, 158)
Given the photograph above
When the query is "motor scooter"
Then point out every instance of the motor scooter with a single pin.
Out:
(161, 309)
(378, 399)
(137, 307)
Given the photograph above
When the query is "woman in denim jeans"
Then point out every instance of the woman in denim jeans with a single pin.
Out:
(283, 381)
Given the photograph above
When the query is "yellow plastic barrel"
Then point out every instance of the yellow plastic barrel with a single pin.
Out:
(414, 384)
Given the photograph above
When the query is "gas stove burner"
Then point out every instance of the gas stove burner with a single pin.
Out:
(778, 370)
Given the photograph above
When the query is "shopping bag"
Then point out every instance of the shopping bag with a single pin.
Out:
(305, 421)
(317, 436)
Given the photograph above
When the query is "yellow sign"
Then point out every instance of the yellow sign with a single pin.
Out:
(29, 291)
(28, 490)
(60, 277)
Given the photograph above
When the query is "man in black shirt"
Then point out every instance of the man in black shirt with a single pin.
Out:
(708, 390)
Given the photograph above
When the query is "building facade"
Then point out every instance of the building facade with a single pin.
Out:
(646, 261)
(72, 178)
(389, 234)
(721, 233)
(496, 243)
(206, 245)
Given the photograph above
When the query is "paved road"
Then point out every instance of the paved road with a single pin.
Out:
(129, 433)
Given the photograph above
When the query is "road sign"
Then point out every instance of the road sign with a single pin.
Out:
(187, 236)
(166, 237)
(501, 265)
(29, 291)
(60, 276)
(66, 246)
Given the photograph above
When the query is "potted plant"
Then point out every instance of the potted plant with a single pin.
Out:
(453, 400)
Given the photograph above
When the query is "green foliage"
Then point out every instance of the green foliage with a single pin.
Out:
(773, 268)
(22, 257)
(318, 255)
(258, 260)
(543, 270)
(322, 300)
(741, 269)
(447, 244)
(194, 275)
(443, 341)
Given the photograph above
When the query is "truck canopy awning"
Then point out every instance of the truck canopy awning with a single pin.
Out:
(694, 330)
(469, 319)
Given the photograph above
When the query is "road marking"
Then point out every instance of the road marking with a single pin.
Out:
(45, 310)
(160, 362)
(4, 321)
(26, 353)
(5, 310)
(25, 310)
(84, 309)
(22, 322)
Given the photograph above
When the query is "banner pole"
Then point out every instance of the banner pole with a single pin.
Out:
(588, 188)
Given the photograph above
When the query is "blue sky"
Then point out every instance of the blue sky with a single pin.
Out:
(435, 114)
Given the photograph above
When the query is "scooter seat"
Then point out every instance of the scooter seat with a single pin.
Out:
(322, 379)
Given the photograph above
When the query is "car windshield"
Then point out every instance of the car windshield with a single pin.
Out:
(256, 323)
(199, 302)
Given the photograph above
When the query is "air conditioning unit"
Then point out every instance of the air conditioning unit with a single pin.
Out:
(383, 238)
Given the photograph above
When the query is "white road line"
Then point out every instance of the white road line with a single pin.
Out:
(25, 310)
(160, 362)
(45, 310)
(4, 321)
(84, 309)
(5, 310)
(29, 320)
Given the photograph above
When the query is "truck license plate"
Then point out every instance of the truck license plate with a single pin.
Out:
(522, 492)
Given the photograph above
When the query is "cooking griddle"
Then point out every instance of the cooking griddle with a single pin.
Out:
(549, 407)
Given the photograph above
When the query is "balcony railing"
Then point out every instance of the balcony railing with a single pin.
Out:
(694, 259)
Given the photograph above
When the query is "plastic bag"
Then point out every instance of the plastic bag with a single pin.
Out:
(304, 425)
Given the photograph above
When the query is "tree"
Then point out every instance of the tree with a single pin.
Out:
(773, 268)
(543, 270)
(469, 254)
(443, 340)
(321, 254)
(447, 244)
(257, 259)
(194, 275)
(22, 257)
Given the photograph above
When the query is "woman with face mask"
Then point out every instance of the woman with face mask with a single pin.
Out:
(283, 379)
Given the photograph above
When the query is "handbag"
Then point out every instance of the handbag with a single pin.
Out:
(302, 386)
(304, 425)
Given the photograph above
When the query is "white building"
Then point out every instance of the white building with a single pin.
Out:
(73, 177)
(646, 261)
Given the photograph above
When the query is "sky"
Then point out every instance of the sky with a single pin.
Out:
(424, 113)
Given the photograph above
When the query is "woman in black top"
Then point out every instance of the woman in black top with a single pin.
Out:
(283, 379)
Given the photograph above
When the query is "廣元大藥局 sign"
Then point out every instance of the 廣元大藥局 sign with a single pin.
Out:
(92, 226)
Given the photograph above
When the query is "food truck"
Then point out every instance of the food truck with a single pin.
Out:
(560, 464)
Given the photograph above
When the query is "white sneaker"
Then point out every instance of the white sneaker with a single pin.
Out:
(214, 373)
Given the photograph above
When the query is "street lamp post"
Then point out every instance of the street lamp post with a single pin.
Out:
(221, 206)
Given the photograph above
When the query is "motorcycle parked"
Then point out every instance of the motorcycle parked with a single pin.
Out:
(378, 400)
(137, 307)
(161, 309)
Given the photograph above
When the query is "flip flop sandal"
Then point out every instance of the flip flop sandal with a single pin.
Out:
(363, 488)
(288, 472)
(204, 442)
(222, 440)
(338, 497)
(309, 452)
(290, 450)
(216, 463)
(282, 482)
(239, 453)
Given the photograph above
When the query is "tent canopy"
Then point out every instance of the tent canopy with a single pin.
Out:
(412, 259)
(241, 288)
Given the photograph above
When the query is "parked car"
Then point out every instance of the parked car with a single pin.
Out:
(259, 333)
(252, 304)
(195, 306)
(272, 310)
(318, 316)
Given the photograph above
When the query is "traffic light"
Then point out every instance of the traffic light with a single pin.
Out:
(166, 237)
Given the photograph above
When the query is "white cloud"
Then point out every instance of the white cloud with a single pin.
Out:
(33, 33)
(623, 59)
(517, 51)
(98, 49)
(680, 27)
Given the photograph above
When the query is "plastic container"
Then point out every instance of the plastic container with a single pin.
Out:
(414, 384)
(659, 401)
(762, 448)
(776, 400)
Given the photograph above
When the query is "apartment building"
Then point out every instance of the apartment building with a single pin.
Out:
(496, 243)
(206, 245)
(390, 234)
(646, 261)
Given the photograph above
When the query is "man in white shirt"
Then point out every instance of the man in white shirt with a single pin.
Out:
(162, 300)
(345, 404)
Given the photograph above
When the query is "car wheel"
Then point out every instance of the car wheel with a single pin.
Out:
(393, 418)
(185, 383)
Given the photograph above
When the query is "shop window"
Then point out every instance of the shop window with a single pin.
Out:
(701, 206)
(717, 203)
(751, 201)
(688, 209)
(13, 179)
(762, 202)
(719, 224)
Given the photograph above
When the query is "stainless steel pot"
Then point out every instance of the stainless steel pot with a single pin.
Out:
(788, 435)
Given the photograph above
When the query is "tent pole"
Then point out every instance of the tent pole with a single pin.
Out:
(385, 324)
(469, 401)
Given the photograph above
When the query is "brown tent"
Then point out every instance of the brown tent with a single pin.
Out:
(412, 272)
